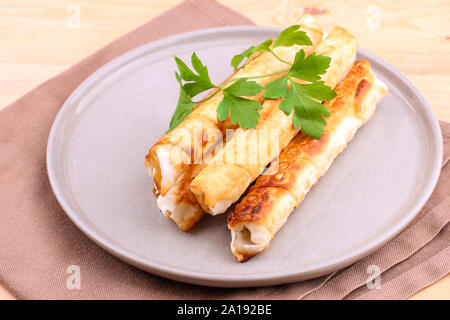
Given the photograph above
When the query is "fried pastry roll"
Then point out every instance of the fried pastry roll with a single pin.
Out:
(176, 150)
(266, 207)
(229, 173)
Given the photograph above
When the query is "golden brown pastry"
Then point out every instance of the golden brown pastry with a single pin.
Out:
(229, 173)
(263, 211)
(174, 152)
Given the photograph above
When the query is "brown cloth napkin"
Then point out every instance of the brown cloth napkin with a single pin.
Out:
(38, 242)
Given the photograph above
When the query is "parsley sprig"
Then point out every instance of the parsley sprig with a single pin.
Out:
(300, 89)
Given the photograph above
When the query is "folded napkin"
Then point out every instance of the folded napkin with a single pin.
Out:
(38, 242)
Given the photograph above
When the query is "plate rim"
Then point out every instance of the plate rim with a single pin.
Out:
(224, 280)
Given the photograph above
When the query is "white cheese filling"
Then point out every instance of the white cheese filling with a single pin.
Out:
(250, 238)
(166, 204)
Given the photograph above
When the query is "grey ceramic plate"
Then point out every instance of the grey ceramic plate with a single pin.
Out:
(95, 161)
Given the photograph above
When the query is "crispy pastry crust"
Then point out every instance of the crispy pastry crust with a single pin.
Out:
(305, 160)
(224, 180)
(173, 153)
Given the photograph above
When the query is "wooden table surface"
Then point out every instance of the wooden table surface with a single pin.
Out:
(39, 39)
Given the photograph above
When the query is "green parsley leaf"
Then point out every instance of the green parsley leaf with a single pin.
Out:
(200, 68)
(312, 122)
(243, 87)
(185, 73)
(237, 59)
(195, 88)
(202, 76)
(288, 103)
(318, 90)
(197, 83)
(292, 36)
(276, 89)
(309, 68)
(264, 46)
(308, 113)
(242, 111)
(184, 106)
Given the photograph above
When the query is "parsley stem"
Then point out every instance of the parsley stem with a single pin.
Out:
(210, 96)
(278, 58)
(254, 77)
(221, 87)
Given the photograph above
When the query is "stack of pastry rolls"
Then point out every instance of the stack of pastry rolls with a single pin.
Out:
(210, 184)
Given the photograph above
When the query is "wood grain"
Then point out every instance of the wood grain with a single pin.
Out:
(38, 41)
